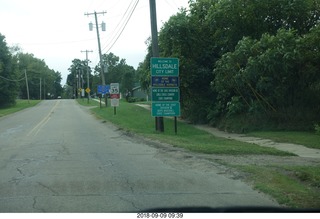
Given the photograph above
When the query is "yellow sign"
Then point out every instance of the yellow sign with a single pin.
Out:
(88, 90)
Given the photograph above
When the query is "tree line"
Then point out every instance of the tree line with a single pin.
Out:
(117, 71)
(245, 64)
(15, 66)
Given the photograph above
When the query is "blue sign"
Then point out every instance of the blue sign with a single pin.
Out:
(103, 89)
(162, 81)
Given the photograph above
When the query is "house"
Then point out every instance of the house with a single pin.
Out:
(138, 92)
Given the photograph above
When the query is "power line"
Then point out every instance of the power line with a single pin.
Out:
(115, 31)
(12, 79)
(125, 24)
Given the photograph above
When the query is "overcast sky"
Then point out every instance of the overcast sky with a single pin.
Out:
(57, 30)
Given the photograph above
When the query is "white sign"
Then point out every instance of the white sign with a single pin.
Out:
(114, 102)
(114, 88)
(114, 94)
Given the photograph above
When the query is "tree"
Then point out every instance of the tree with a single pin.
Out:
(272, 78)
(40, 78)
(9, 76)
(77, 77)
(119, 72)
(219, 70)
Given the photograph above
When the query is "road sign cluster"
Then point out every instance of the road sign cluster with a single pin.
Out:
(114, 94)
(165, 91)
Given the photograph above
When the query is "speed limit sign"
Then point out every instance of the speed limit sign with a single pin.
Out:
(114, 88)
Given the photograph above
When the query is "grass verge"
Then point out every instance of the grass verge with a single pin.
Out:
(308, 139)
(137, 119)
(291, 186)
(20, 105)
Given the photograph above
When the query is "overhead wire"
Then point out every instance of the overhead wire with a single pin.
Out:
(125, 22)
(12, 79)
(115, 29)
(118, 28)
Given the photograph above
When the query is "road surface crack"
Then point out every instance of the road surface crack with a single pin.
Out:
(48, 188)
(131, 202)
(34, 205)
(20, 171)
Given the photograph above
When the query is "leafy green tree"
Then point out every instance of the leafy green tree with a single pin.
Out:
(40, 78)
(269, 77)
(77, 78)
(8, 75)
(119, 72)
(179, 37)
(220, 72)
(143, 70)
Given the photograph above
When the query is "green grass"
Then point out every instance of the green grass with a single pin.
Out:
(137, 119)
(308, 139)
(295, 187)
(20, 105)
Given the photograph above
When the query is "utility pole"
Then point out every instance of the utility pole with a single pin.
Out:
(79, 84)
(99, 46)
(40, 89)
(155, 51)
(88, 84)
(25, 74)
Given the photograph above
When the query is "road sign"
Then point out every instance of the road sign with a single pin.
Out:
(88, 90)
(114, 102)
(164, 66)
(114, 94)
(165, 94)
(114, 88)
(165, 86)
(160, 109)
(103, 89)
(165, 81)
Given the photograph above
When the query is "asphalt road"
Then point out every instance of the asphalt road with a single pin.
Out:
(57, 157)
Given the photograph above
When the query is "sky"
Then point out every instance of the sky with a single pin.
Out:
(58, 30)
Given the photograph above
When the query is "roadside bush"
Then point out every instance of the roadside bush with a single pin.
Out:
(317, 128)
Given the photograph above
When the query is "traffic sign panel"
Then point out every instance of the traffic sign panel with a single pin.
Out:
(165, 94)
(114, 88)
(114, 102)
(160, 109)
(164, 66)
(103, 89)
(165, 81)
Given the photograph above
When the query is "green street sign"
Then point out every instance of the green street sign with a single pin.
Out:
(165, 94)
(164, 66)
(160, 109)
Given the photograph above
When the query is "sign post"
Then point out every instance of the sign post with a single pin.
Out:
(165, 90)
(88, 93)
(115, 96)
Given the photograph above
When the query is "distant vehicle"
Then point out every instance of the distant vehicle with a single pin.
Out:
(59, 97)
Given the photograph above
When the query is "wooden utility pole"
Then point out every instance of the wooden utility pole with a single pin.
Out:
(88, 78)
(25, 74)
(155, 51)
(103, 81)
